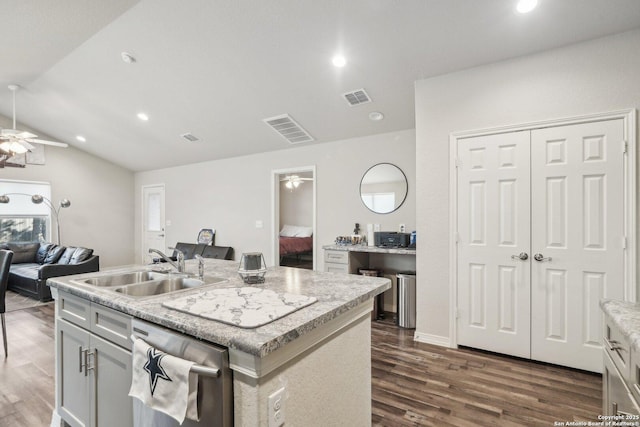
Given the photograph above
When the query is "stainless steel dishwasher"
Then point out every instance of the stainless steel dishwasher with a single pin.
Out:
(215, 390)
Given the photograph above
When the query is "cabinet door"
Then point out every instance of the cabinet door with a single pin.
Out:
(112, 376)
(616, 399)
(73, 387)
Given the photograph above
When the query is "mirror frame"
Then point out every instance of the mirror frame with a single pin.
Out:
(406, 191)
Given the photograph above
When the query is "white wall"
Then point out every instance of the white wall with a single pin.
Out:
(231, 195)
(101, 194)
(597, 76)
(296, 207)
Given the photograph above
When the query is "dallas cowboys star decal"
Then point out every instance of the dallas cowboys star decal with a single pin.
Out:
(154, 368)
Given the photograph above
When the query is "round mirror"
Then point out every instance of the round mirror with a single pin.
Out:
(383, 188)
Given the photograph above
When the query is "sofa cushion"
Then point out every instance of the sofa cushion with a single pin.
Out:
(23, 252)
(66, 256)
(80, 254)
(27, 270)
(43, 250)
(54, 255)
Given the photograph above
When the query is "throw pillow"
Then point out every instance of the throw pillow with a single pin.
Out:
(66, 256)
(23, 252)
(80, 255)
(54, 254)
(43, 250)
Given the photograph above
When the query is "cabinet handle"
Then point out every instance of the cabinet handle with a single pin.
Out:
(86, 361)
(613, 345)
(80, 365)
(93, 354)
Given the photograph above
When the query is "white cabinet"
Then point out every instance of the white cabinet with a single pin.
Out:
(344, 261)
(93, 364)
(620, 375)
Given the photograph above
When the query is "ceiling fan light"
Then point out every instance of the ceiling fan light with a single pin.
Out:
(289, 185)
(13, 147)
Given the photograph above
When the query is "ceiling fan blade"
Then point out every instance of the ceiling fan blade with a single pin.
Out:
(45, 142)
(25, 135)
(26, 145)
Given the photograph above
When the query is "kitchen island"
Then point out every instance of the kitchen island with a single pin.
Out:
(320, 355)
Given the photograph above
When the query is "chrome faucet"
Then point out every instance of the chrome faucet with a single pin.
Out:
(200, 266)
(179, 265)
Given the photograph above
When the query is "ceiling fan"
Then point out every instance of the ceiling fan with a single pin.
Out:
(293, 181)
(14, 141)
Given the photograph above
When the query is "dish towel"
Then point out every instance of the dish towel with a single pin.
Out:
(163, 382)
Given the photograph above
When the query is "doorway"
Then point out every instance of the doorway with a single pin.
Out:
(543, 229)
(294, 217)
(153, 223)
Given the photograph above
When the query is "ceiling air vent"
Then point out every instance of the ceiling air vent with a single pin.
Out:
(288, 129)
(190, 137)
(357, 97)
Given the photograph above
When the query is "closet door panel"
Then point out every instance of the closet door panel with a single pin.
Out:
(493, 226)
(577, 238)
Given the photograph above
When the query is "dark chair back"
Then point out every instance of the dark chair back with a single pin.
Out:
(219, 252)
(5, 263)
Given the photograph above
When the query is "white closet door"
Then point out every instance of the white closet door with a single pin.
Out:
(493, 226)
(577, 226)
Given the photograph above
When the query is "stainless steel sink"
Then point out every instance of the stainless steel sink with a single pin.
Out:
(159, 287)
(125, 278)
(166, 285)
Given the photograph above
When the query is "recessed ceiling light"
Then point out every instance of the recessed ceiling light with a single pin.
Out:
(81, 138)
(526, 6)
(376, 116)
(339, 61)
(127, 57)
(143, 117)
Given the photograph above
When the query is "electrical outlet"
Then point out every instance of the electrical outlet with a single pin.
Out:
(259, 224)
(276, 408)
(402, 228)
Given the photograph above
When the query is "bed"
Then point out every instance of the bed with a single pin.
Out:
(296, 244)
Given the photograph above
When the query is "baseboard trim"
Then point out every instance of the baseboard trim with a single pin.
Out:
(432, 339)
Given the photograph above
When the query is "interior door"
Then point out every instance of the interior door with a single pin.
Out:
(152, 220)
(493, 243)
(556, 195)
(577, 238)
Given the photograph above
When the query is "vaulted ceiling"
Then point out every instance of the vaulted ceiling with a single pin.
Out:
(217, 68)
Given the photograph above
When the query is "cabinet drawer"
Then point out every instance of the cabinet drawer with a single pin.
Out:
(617, 347)
(111, 325)
(336, 268)
(75, 310)
(336, 257)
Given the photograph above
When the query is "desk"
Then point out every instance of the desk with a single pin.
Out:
(352, 258)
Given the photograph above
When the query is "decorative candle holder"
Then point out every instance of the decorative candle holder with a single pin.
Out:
(252, 268)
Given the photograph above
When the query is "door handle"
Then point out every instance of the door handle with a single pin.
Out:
(540, 258)
(522, 256)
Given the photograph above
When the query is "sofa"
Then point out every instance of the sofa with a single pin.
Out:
(33, 263)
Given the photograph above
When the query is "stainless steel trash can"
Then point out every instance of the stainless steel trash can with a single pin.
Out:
(406, 291)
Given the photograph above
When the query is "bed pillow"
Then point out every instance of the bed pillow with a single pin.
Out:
(296, 231)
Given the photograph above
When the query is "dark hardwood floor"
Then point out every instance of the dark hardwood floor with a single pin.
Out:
(417, 384)
(414, 384)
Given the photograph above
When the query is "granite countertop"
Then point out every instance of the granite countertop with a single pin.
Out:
(626, 316)
(336, 293)
(371, 249)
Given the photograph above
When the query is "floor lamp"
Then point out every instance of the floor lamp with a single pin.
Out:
(38, 199)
